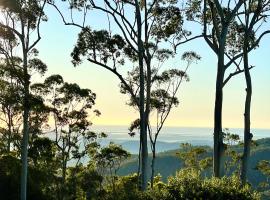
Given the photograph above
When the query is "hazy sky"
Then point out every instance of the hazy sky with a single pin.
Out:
(196, 97)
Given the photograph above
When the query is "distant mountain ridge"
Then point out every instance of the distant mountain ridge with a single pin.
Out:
(132, 146)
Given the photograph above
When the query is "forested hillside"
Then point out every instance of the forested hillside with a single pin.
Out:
(168, 163)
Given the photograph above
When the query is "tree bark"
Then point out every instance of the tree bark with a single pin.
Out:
(143, 133)
(218, 140)
(24, 148)
(218, 135)
(63, 181)
(153, 165)
(247, 134)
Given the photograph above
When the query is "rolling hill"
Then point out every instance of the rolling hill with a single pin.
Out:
(167, 163)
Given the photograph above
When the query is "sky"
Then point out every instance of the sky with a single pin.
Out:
(196, 97)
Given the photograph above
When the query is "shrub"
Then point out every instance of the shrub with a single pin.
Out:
(188, 184)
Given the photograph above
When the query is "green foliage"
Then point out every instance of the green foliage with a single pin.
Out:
(168, 21)
(110, 157)
(194, 157)
(264, 167)
(167, 163)
(125, 188)
(91, 183)
(10, 180)
(188, 184)
(233, 157)
(42, 152)
(100, 46)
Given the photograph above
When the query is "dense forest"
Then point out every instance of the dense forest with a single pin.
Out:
(48, 149)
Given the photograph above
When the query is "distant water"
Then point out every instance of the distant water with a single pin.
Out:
(169, 138)
(195, 136)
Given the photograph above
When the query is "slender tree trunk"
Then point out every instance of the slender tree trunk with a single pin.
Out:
(247, 134)
(139, 162)
(218, 135)
(64, 169)
(218, 130)
(24, 148)
(143, 133)
(9, 131)
(148, 96)
(153, 165)
(63, 182)
(148, 71)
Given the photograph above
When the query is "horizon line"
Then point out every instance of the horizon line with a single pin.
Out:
(174, 126)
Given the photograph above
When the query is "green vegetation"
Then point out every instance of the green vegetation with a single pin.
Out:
(47, 147)
(187, 184)
(87, 183)
(168, 163)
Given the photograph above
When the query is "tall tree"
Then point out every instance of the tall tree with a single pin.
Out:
(251, 27)
(217, 19)
(225, 38)
(140, 36)
(11, 108)
(221, 21)
(70, 107)
(163, 97)
(22, 18)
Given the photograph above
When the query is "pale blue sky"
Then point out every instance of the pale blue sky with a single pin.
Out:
(196, 97)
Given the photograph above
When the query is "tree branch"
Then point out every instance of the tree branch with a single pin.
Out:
(234, 74)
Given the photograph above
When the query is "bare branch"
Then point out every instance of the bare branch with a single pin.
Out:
(234, 74)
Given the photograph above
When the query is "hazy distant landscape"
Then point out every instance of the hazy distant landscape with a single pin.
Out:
(170, 138)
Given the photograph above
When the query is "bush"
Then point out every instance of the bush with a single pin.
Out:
(125, 188)
(188, 184)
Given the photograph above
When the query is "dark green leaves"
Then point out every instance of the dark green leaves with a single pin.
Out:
(37, 65)
(191, 56)
(168, 21)
(99, 46)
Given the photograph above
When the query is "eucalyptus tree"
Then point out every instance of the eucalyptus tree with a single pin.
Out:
(194, 157)
(251, 19)
(108, 160)
(22, 19)
(11, 88)
(221, 19)
(244, 35)
(70, 107)
(163, 98)
(141, 27)
(216, 19)
(221, 30)
(11, 101)
(11, 109)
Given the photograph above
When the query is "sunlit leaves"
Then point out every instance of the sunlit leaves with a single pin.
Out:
(194, 157)
(264, 167)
